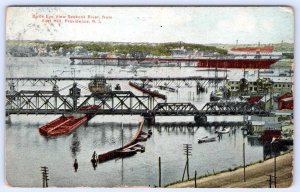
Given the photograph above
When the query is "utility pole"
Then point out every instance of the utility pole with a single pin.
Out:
(270, 181)
(275, 178)
(195, 179)
(45, 176)
(187, 151)
(244, 160)
(159, 172)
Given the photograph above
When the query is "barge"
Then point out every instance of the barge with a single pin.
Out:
(127, 150)
(66, 124)
(147, 91)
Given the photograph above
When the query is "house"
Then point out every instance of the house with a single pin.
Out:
(286, 103)
(280, 85)
(258, 127)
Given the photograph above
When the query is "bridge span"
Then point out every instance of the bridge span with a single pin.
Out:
(118, 103)
(177, 81)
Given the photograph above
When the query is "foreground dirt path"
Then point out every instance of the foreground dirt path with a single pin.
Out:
(255, 176)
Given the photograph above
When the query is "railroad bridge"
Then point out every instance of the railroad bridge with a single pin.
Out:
(117, 103)
(176, 81)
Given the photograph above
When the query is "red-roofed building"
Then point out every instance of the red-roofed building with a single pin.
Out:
(286, 103)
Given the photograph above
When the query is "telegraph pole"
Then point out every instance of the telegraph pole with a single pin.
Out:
(244, 160)
(195, 179)
(270, 181)
(45, 176)
(275, 178)
(159, 172)
(187, 148)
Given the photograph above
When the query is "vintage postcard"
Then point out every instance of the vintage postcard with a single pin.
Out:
(175, 97)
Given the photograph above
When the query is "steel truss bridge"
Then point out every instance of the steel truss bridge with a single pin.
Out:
(117, 103)
(177, 81)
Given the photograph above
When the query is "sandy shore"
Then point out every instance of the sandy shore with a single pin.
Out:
(256, 176)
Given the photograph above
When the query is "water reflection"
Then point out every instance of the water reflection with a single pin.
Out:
(94, 160)
(75, 145)
(75, 165)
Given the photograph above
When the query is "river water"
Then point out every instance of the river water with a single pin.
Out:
(26, 150)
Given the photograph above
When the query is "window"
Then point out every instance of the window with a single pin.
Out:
(275, 85)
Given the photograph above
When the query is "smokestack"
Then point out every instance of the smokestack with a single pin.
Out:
(237, 42)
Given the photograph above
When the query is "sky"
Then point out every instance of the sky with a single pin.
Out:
(202, 25)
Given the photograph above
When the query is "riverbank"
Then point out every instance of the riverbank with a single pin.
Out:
(256, 176)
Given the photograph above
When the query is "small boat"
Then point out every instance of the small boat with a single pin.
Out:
(164, 87)
(216, 96)
(147, 91)
(207, 139)
(118, 87)
(223, 130)
(99, 85)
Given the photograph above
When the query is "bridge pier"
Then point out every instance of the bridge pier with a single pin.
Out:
(74, 92)
(200, 119)
(149, 118)
(8, 119)
(199, 88)
(72, 62)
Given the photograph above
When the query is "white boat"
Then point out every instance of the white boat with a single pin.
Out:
(207, 139)
(223, 130)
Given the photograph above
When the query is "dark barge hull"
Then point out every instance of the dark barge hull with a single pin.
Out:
(147, 91)
(125, 151)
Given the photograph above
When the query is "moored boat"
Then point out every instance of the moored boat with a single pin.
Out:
(223, 130)
(99, 86)
(66, 124)
(207, 139)
(216, 96)
(147, 91)
(62, 125)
